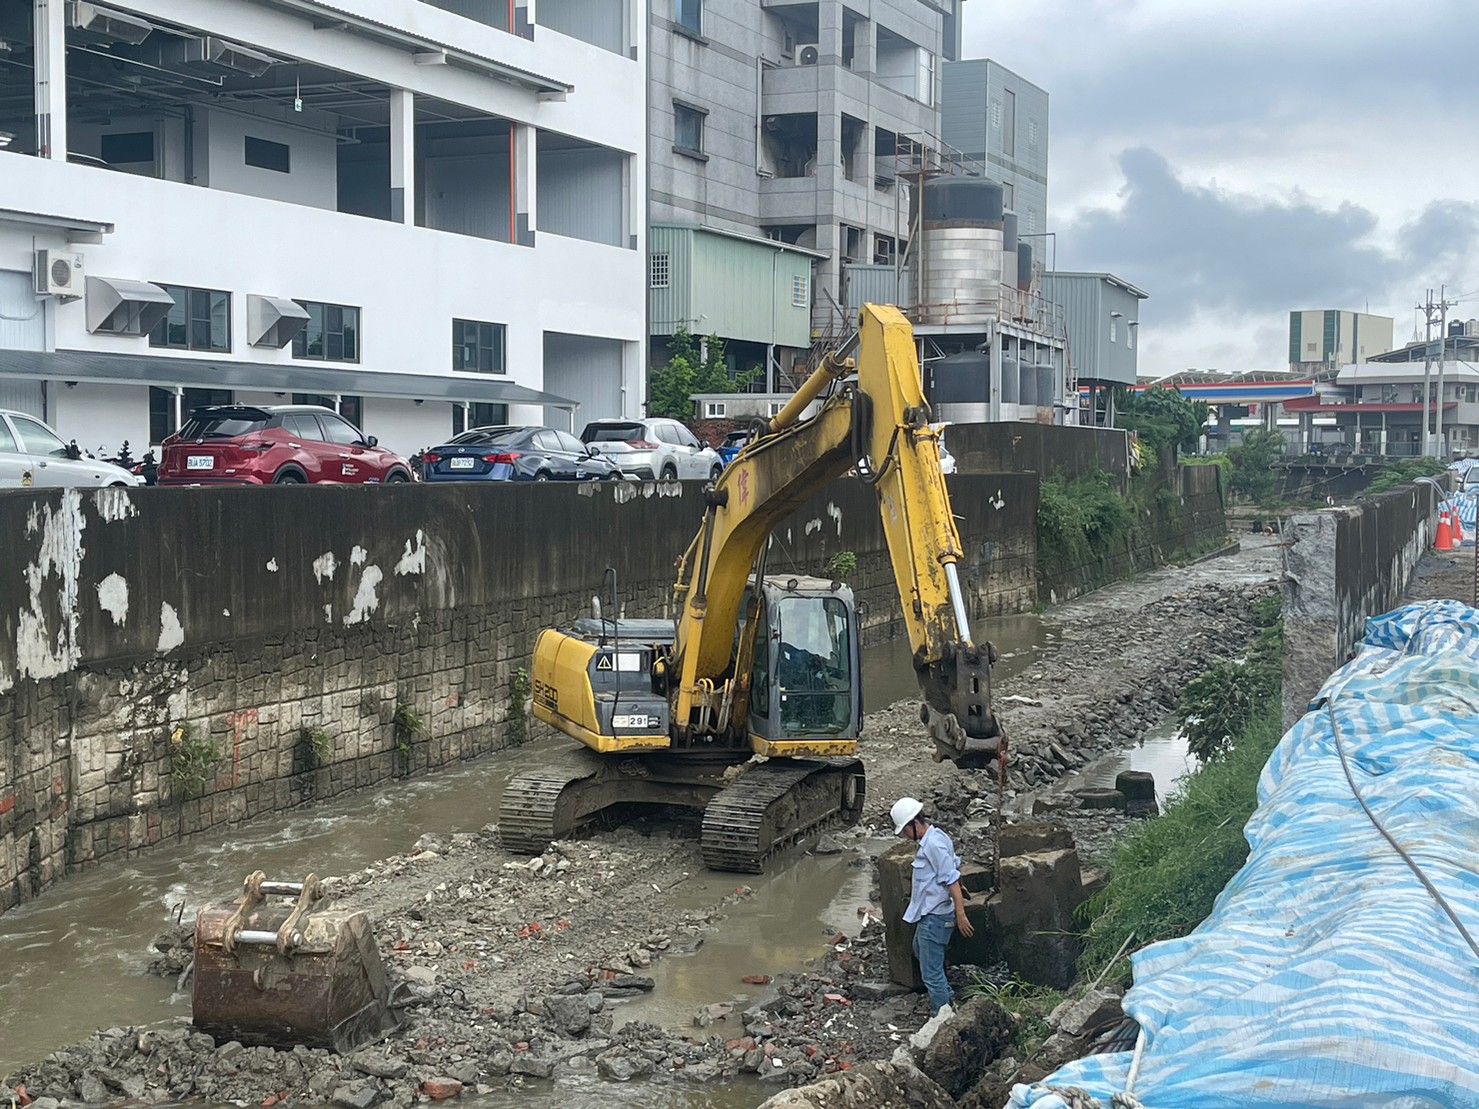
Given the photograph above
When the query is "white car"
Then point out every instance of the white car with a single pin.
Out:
(655, 449)
(32, 455)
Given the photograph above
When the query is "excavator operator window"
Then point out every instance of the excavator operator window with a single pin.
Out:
(760, 666)
(814, 671)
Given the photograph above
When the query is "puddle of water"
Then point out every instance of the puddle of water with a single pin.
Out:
(888, 670)
(780, 928)
(1161, 752)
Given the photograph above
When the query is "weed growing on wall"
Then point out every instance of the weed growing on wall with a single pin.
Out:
(1400, 473)
(1081, 519)
(1028, 1003)
(192, 762)
(320, 743)
(841, 565)
(408, 724)
(516, 727)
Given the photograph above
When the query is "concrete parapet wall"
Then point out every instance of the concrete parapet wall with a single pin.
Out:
(284, 627)
(1341, 566)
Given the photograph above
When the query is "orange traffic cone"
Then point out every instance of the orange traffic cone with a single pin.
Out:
(1458, 528)
(1443, 540)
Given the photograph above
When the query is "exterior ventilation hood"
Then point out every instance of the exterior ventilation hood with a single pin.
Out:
(214, 56)
(119, 307)
(272, 321)
(107, 25)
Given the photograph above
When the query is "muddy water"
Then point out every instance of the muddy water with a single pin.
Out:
(889, 677)
(1161, 752)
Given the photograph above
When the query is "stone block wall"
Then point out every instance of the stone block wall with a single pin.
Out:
(1341, 566)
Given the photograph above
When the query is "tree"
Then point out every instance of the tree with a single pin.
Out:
(1253, 464)
(1162, 417)
(692, 367)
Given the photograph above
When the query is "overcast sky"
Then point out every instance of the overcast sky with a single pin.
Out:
(1239, 160)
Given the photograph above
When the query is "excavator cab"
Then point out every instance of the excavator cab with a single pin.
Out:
(806, 694)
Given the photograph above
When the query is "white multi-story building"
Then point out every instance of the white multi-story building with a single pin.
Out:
(426, 214)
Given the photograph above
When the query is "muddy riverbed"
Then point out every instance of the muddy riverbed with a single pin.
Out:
(616, 958)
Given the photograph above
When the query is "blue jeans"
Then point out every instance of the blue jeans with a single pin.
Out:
(931, 935)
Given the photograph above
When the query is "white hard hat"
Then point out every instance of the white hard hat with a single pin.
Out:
(905, 810)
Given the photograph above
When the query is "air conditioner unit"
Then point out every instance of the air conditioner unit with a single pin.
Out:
(59, 273)
(808, 54)
(108, 24)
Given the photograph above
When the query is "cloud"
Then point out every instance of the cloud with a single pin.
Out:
(1199, 249)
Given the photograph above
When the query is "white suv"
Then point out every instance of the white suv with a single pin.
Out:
(653, 449)
(31, 454)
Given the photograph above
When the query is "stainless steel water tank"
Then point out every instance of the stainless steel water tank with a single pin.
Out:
(1047, 386)
(957, 266)
(1027, 393)
(960, 387)
(1011, 384)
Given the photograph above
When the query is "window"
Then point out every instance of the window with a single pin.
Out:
(689, 15)
(200, 319)
(478, 348)
(303, 425)
(1009, 123)
(1032, 132)
(339, 431)
(688, 129)
(715, 410)
(659, 271)
(37, 438)
(799, 290)
(265, 154)
(332, 334)
(7, 441)
(1310, 348)
(351, 408)
(686, 438)
(1130, 336)
(1009, 195)
(1114, 330)
(478, 415)
(127, 149)
(162, 408)
(996, 113)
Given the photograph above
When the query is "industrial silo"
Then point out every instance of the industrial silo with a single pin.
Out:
(1011, 388)
(1024, 266)
(961, 387)
(957, 264)
(1027, 396)
(1047, 387)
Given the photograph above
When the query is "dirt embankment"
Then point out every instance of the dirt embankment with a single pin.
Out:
(514, 968)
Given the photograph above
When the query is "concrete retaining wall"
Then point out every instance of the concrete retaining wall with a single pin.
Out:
(1341, 566)
(255, 618)
(1045, 449)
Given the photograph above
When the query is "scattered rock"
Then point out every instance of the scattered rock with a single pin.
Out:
(441, 1089)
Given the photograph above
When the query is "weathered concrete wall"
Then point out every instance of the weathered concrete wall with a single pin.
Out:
(1341, 566)
(1180, 514)
(254, 618)
(1044, 449)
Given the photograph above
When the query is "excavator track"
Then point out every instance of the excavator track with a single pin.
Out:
(770, 805)
(541, 805)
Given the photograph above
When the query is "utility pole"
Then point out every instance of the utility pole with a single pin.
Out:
(1427, 308)
(1443, 306)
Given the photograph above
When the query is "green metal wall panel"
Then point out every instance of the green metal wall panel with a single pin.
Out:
(742, 290)
(1296, 336)
(671, 306)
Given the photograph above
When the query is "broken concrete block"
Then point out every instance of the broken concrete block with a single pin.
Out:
(1023, 836)
(1034, 915)
(968, 1043)
(1100, 799)
(1089, 1015)
(1136, 785)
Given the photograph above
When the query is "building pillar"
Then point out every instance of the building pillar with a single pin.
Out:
(829, 32)
(865, 51)
(402, 156)
(524, 150)
(50, 54)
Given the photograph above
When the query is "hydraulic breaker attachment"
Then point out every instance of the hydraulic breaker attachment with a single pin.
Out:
(286, 972)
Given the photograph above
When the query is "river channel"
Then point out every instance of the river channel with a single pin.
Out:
(73, 961)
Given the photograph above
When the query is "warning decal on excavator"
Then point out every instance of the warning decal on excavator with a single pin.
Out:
(603, 662)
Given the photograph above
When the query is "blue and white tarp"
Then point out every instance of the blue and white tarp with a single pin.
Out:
(1327, 974)
(1467, 505)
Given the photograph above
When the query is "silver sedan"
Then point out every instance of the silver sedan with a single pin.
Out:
(32, 455)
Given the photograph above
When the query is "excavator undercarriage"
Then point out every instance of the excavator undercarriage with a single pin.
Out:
(750, 809)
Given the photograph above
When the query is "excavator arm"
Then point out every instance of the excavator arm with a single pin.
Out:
(877, 422)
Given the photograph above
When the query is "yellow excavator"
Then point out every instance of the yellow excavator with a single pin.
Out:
(748, 706)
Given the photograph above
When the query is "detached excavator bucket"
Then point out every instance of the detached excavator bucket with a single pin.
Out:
(288, 972)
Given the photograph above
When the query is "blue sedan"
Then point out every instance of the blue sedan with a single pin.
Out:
(515, 454)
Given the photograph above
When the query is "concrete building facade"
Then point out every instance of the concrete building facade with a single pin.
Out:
(1000, 119)
(424, 214)
(1323, 340)
(788, 122)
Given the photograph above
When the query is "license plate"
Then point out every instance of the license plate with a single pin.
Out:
(200, 462)
(461, 463)
(634, 721)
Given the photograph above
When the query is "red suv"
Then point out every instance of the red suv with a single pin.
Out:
(274, 445)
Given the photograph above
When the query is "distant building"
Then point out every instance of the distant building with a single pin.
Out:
(999, 119)
(1322, 340)
(1102, 318)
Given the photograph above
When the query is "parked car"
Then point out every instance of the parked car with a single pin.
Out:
(285, 444)
(734, 442)
(654, 449)
(32, 454)
(511, 453)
